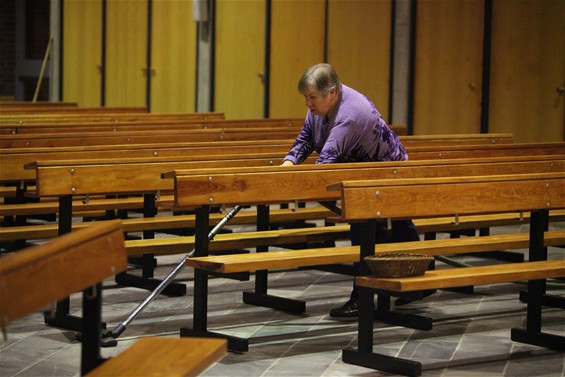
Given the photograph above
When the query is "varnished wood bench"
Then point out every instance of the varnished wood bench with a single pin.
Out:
(14, 159)
(143, 181)
(163, 134)
(69, 179)
(393, 199)
(33, 278)
(246, 187)
(159, 356)
(84, 184)
(62, 118)
(79, 110)
(145, 137)
(165, 122)
(286, 259)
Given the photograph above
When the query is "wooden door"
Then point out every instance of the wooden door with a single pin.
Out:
(82, 52)
(126, 52)
(448, 66)
(240, 58)
(528, 69)
(297, 42)
(359, 47)
(173, 57)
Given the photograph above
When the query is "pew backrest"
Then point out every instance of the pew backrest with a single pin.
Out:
(261, 185)
(33, 278)
(445, 196)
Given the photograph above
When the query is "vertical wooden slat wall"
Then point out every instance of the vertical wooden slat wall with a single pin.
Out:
(82, 46)
(173, 56)
(297, 41)
(359, 47)
(126, 44)
(528, 67)
(526, 76)
(448, 67)
(240, 58)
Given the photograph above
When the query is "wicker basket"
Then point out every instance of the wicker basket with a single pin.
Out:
(396, 265)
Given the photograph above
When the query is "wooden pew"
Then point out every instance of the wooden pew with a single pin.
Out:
(14, 159)
(233, 263)
(237, 185)
(62, 118)
(164, 133)
(200, 134)
(112, 174)
(392, 199)
(164, 122)
(68, 179)
(67, 192)
(79, 110)
(35, 277)
(300, 184)
(144, 137)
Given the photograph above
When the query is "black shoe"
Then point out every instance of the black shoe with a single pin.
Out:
(349, 309)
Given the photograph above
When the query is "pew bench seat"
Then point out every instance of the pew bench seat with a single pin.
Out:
(169, 222)
(239, 240)
(349, 254)
(465, 276)
(52, 207)
(534, 272)
(159, 356)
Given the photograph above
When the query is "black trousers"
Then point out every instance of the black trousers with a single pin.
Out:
(401, 231)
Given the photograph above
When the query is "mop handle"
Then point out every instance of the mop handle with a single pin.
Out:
(120, 328)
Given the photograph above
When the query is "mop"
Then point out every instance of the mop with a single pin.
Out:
(109, 337)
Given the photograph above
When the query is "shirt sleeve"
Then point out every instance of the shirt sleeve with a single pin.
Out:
(303, 146)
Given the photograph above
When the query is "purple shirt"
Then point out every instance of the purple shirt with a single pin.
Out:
(354, 132)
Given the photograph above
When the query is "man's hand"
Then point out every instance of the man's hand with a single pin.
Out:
(287, 163)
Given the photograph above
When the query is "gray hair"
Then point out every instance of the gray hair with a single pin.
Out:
(320, 77)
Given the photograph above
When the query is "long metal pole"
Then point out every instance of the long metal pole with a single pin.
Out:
(109, 338)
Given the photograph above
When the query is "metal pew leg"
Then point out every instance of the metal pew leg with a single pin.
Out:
(364, 355)
(200, 322)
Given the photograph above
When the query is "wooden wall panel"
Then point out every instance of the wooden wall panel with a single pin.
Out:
(82, 52)
(173, 57)
(126, 46)
(448, 67)
(240, 58)
(297, 42)
(528, 66)
(359, 47)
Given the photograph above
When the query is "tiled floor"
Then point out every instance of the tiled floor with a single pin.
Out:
(471, 334)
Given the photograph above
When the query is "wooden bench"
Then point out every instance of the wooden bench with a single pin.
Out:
(300, 184)
(55, 185)
(61, 178)
(56, 109)
(165, 122)
(183, 134)
(393, 199)
(146, 183)
(145, 137)
(199, 132)
(71, 118)
(286, 259)
(14, 159)
(33, 278)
